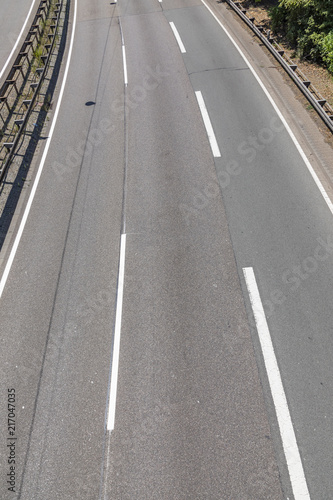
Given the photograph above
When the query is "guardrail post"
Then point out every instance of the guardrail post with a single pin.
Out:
(4, 99)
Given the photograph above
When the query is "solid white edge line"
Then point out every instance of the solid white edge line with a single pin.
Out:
(125, 66)
(117, 332)
(291, 451)
(177, 36)
(279, 113)
(208, 125)
(18, 40)
(41, 166)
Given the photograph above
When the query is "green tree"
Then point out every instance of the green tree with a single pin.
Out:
(308, 25)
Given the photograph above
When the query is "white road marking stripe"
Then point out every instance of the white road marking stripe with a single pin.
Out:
(17, 41)
(279, 113)
(117, 332)
(288, 437)
(177, 36)
(125, 66)
(208, 125)
(41, 166)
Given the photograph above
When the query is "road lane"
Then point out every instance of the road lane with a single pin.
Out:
(187, 375)
(64, 276)
(277, 219)
(14, 23)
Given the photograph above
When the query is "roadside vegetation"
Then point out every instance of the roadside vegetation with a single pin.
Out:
(308, 28)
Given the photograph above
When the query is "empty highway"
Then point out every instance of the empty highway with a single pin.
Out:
(166, 286)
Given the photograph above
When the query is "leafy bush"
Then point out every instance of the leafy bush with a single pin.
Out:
(308, 25)
(327, 50)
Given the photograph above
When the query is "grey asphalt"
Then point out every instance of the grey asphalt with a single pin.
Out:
(280, 226)
(12, 19)
(194, 416)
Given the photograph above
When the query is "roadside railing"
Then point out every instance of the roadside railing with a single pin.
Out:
(20, 89)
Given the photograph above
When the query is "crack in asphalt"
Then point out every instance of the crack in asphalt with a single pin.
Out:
(217, 69)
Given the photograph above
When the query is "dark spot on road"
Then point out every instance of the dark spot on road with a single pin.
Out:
(90, 103)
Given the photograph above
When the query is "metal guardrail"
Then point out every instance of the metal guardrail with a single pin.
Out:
(319, 103)
(13, 87)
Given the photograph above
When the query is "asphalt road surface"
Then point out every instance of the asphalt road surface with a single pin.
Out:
(127, 332)
(13, 27)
